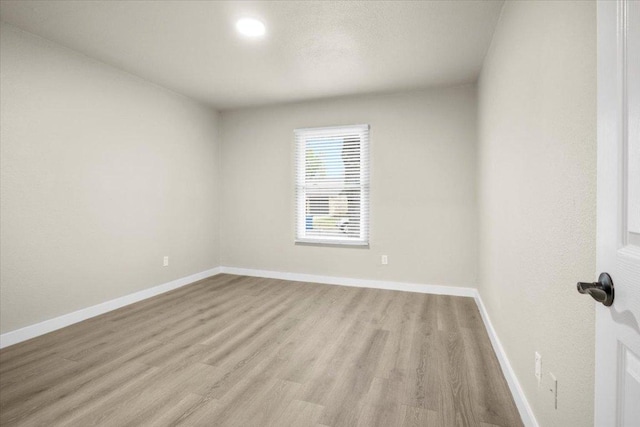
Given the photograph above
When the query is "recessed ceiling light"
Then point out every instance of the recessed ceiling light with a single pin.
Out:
(250, 27)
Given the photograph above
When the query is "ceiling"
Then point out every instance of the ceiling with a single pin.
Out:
(312, 49)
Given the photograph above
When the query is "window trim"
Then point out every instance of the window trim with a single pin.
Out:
(300, 212)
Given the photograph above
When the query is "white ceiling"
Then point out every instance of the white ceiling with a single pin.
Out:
(313, 49)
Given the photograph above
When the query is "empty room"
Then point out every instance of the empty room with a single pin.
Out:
(320, 213)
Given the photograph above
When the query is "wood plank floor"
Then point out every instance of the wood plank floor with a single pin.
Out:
(242, 351)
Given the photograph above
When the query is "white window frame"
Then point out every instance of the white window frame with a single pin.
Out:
(301, 137)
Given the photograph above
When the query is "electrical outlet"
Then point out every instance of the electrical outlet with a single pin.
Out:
(165, 261)
(385, 260)
(553, 389)
(538, 367)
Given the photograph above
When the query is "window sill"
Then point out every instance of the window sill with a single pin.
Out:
(332, 243)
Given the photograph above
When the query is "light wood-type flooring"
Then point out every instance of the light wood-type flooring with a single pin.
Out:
(244, 351)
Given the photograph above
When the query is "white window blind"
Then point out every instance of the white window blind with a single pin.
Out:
(332, 185)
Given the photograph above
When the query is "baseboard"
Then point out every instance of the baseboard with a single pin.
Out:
(50, 325)
(358, 283)
(522, 404)
(526, 413)
(59, 322)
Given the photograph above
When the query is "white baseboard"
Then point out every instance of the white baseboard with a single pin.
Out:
(526, 413)
(42, 328)
(59, 322)
(358, 283)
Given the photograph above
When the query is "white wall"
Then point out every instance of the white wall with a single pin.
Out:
(102, 175)
(537, 174)
(423, 196)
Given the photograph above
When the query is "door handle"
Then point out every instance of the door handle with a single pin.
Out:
(601, 291)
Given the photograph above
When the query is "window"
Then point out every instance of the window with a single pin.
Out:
(332, 185)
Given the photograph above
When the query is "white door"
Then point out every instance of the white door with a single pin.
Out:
(617, 394)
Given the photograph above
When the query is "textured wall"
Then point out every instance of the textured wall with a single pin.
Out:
(102, 175)
(537, 180)
(423, 195)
